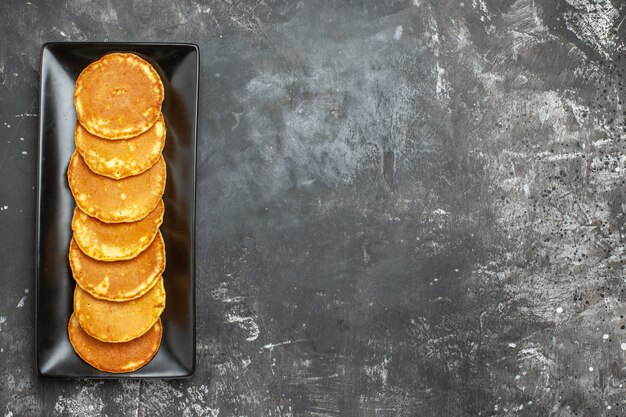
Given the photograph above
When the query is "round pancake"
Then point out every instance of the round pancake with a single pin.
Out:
(113, 322)
(116, 201)
(121, 158)
(120, 280)
(119, 96)
(115, 241)
(115, 357)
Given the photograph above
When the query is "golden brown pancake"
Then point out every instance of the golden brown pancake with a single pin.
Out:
(121, 158)
(115, 241)
(115, 357)
(120, 280)
(114, 322)
(116, 201)
(119, 96)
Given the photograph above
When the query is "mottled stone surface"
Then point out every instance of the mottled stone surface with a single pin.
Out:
(405, 208)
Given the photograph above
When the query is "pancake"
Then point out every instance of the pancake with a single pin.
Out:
(113, 322)
(121, 158)
(116, 201)
(120, 280)
(115, 357)
(115, 241)
(119, 96)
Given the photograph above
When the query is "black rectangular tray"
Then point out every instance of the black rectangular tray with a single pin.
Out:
(61, 63)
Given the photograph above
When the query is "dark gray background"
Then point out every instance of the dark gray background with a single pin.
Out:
(405, 208)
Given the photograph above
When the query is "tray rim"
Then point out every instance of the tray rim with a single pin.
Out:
(40, 129)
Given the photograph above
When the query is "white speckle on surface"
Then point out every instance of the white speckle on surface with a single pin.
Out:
(85, 402)
(246, 362)
(601, 143)
(591, 369)
(593, 23)
(559, 310)
(22, 139)
(605, 336)
(623, 346)
(485, 17)
(246, 323)
(236, 311)
(378, 371)
(24, 153)
(441, 87)
(512, 345)
(20, 303)
(398, 33)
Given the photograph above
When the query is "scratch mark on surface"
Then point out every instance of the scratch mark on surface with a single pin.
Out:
(319, 378)
(20, 303)
(237, 117)
(271, 346)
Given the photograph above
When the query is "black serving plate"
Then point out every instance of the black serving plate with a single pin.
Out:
(61, 63)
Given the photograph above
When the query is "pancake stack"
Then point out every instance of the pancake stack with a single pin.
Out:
(117, 177)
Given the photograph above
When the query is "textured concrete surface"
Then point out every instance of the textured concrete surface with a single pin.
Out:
(406, 208)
